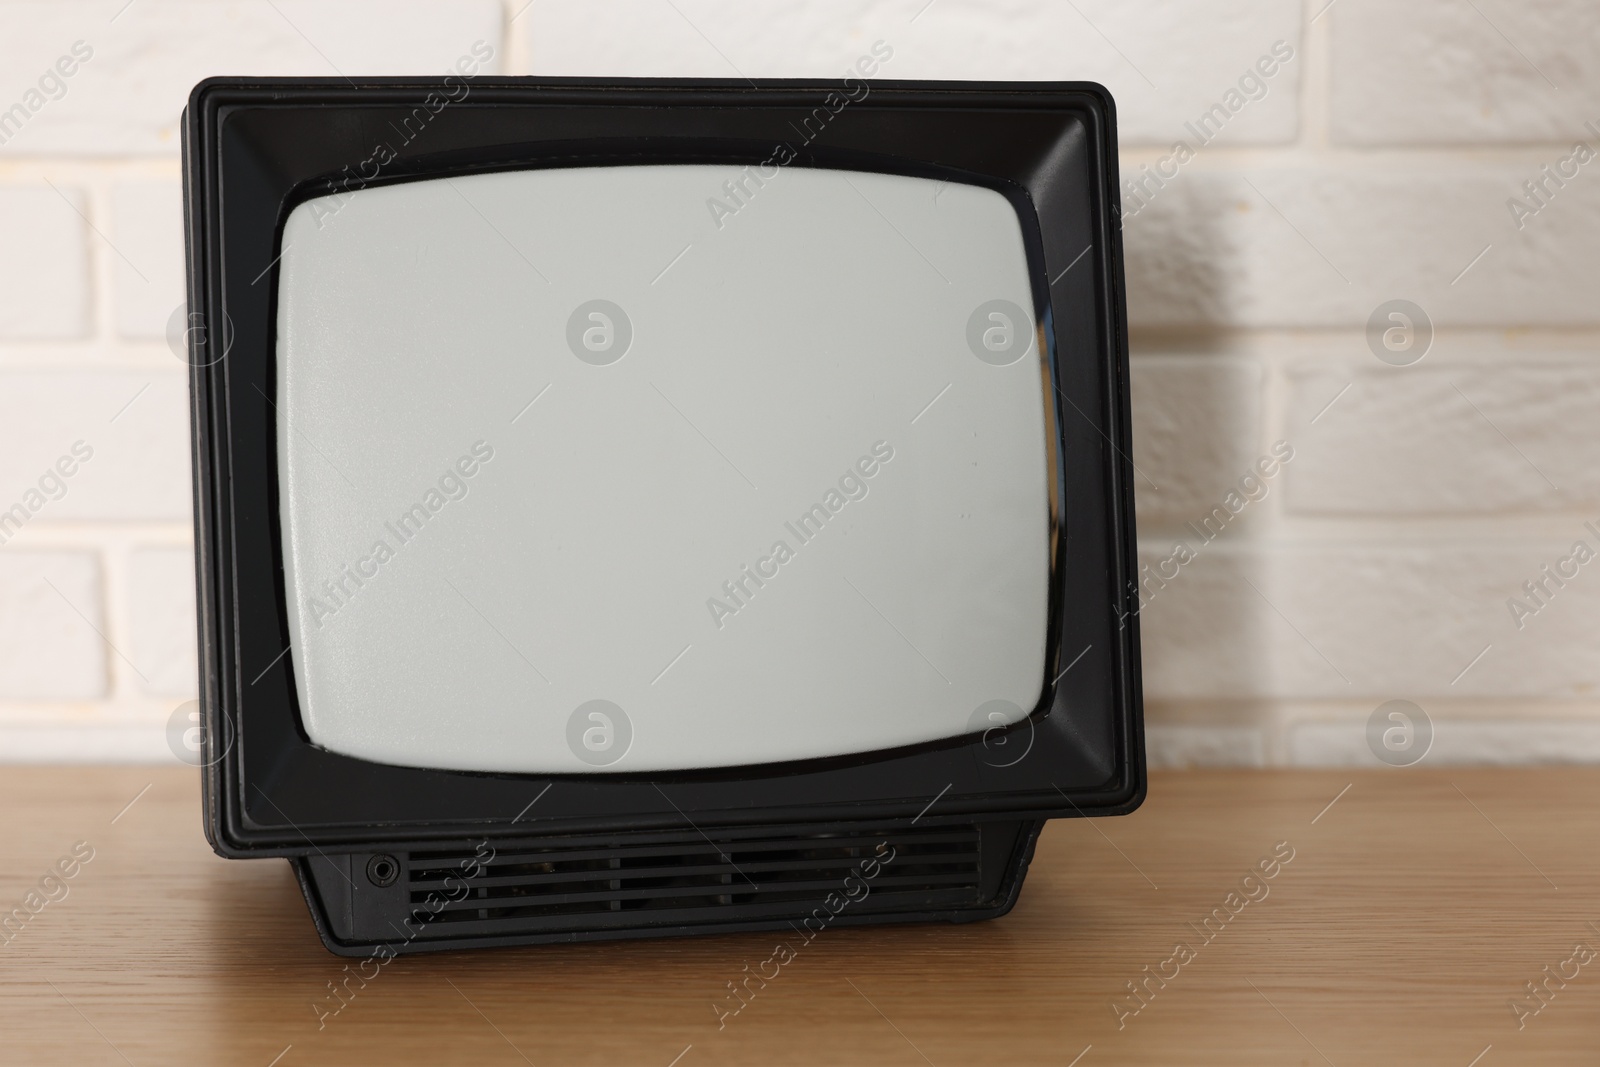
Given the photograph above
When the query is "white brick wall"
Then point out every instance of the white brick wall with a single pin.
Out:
(1446, 72)
(1165, 60)
(1441, 440)
(50, 621)
(125, 99)
(147, 227)
(134, 422)
(44, 282)
(1322, 245)
(1374, 163)
(1197, 426)
(1410, 620)
(161, 599)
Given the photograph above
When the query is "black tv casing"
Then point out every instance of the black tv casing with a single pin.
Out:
(399, 859)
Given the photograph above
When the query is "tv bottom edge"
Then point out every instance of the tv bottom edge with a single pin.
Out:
(806, 879)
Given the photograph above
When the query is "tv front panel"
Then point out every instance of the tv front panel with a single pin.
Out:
(634, 508)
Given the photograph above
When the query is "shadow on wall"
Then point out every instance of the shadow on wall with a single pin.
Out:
(1205, 470)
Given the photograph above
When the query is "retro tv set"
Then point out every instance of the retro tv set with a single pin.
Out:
(639, 508)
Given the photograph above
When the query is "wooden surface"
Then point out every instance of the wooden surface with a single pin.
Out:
(1414, 910)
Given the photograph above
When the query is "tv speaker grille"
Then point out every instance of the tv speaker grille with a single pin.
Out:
(742, 874)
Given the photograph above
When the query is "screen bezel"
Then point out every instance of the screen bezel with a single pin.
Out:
(256, 148)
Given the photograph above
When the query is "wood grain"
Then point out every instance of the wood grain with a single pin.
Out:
(1413, 912)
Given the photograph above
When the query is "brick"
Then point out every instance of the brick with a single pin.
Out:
(1443, 440)
(50, 612)
(1201, 633)
(161, 607)
(147, 225)
(135, 423)
(1196, 429)
(1378, 623)
(1526, 739)
(101, 739)
(1326, 247)
(1204, 746)
(1440, 71)
(1164, 61)
(127, 97)
(44, 272)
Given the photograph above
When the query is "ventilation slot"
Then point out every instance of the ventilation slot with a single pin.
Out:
(639, 884)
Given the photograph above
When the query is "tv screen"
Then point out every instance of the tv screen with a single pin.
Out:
(559, 439)
(630, 508)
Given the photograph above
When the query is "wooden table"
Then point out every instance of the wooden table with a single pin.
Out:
(1415, 908)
